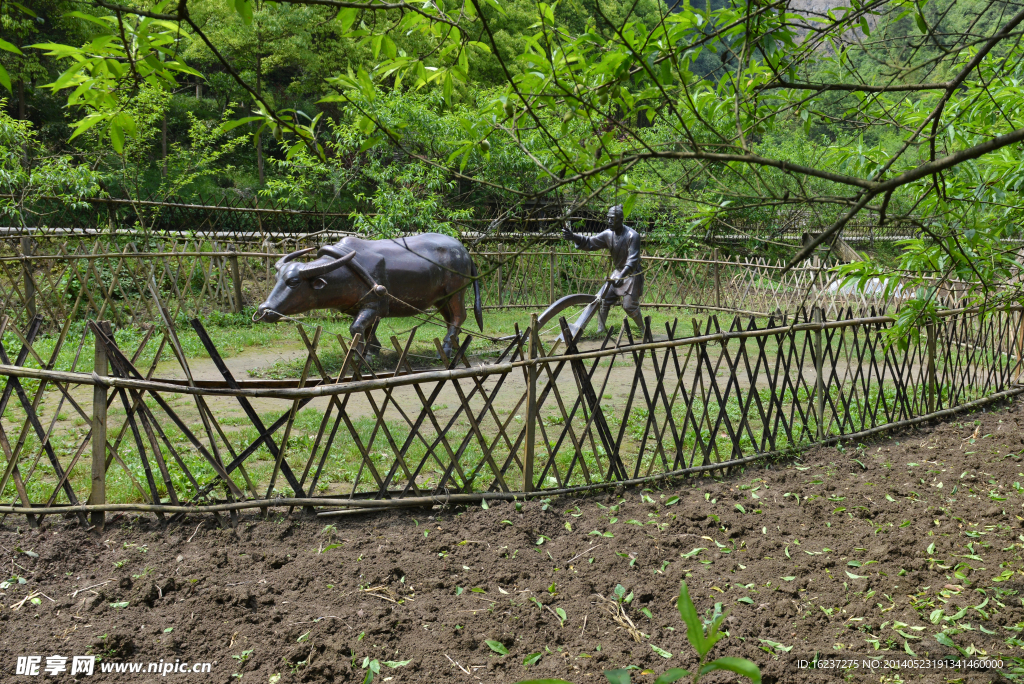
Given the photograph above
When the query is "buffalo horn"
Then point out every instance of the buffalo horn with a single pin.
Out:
(291, 257)
(315, 271)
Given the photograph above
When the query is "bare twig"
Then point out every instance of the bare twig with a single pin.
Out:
(618, 614)
(583, 554)
(456, 664)
(75, 593)
(194, 533)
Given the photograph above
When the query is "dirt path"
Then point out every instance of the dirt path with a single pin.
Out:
(891, 544)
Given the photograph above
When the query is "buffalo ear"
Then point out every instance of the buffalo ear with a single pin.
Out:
(319, 284)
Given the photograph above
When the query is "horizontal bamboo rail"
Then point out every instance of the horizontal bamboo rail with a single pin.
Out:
(141, 255)
(115, 201)
(277, 255)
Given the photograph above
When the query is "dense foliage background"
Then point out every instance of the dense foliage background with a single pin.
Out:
(411, 116)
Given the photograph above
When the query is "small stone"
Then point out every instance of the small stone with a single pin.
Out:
(992, 511)
(180, 558)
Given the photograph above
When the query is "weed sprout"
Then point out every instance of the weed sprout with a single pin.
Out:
(702, 635)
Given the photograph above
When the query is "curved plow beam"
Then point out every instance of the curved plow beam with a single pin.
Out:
(566, 302)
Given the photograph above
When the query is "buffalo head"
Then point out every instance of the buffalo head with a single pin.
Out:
(298, 286)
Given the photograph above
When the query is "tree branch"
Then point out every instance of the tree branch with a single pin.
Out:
(854, 87)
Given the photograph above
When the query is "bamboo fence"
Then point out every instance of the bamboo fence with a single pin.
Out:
(252, 219)
(102, 278)
(542, 418)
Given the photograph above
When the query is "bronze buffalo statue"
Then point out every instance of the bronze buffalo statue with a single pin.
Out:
(374, 279)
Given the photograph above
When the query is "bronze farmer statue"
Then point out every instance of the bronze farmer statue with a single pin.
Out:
(627, 280)
(374, 279)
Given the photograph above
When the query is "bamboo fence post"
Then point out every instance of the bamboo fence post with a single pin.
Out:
(267, 246)
(1019, 369)
(98, 495)
(236, 280)
(531, 409)
(551, 283)
(819, 380)
(718, 281)
(932, 380)
(499, 284)
(26, 271)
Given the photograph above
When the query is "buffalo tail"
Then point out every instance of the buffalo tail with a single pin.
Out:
(478, 309)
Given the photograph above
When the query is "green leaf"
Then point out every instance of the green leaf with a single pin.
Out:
(25, 10)
(365, 125)
(921, 25)
(740, 666)
(119, 604)
(88, 17)
(244, 9)
(4, 45)
(617, 676)
(5, 80)
(694, 627)
(497, 647)
(669, 676)
(944, 640)
(545, 681)
(230, 125)
(740, 508)
(662, 652)
(447, 88)
(117, 137)
(346, 17)
(393, 664)
(672, 501)
(532, 659)
(776, 645)
(627, 205)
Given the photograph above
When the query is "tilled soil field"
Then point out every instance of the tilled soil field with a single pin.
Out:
(884, 551)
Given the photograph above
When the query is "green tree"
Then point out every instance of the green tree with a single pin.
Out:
(28, 173)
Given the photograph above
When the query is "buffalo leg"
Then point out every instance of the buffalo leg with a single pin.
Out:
(454, 313)
(364, 322)
(374, 343)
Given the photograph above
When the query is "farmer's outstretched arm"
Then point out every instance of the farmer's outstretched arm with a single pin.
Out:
(587, 244)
